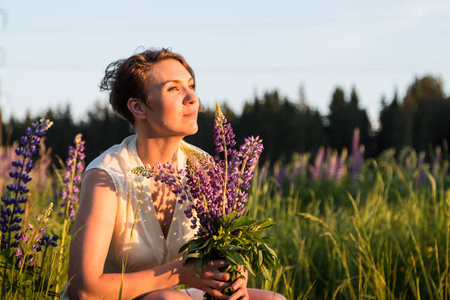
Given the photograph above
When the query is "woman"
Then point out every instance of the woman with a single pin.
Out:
(131, 223)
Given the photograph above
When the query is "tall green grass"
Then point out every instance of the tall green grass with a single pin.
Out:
(385, 235)
(35, 269)
(386, 238)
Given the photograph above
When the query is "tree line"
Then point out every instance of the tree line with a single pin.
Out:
(420, 120)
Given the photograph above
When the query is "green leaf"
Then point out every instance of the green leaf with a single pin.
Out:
(235, 258)
(266, 223)
(198, 266)
(249, 268)
(196, 243)
(269, 250)
(230, 217)
(194, 255)
(266, 273)
(232, 248)
(241, 222)
(260, 257)
(269, 263)
(184, 247)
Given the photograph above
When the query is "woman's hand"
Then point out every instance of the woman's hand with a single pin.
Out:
(240, 287)
(211, 279)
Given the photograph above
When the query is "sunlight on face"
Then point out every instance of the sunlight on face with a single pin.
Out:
(173, 104)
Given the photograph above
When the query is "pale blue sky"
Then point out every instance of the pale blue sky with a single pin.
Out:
(54, 52)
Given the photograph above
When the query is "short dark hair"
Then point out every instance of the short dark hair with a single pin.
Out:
(128, 78)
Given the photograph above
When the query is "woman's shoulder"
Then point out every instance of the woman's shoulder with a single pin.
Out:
(116, 162)
(114, 156)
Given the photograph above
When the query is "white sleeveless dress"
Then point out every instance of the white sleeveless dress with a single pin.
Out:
(145, 244)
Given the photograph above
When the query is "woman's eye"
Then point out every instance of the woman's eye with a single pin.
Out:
(173, 88)
(192, 87)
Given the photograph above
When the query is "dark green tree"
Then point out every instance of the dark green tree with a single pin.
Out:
(344, 117)
(102, 129)
(284, 127)
(62, 132)
(392, 126)
(427, 110)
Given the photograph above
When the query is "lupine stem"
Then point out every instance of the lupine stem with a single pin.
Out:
(43, 261)
(225, 175)
(66, 214)
(225, 180)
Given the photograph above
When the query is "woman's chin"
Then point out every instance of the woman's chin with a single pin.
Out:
(192, 131)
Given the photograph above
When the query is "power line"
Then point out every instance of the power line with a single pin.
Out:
(250, 69)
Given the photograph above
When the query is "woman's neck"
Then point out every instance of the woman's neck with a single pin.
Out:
(154, 150)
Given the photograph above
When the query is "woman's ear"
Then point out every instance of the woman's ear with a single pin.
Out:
(137, 108)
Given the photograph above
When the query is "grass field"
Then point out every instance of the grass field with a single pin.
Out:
(346, 228)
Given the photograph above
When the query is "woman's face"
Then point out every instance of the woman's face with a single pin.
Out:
(173, 104)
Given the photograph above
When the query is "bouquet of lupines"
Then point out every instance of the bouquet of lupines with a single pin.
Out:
(216, 191)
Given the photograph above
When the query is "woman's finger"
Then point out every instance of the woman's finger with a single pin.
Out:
(213, 270)
(241, 294)
(220, 276)
(238, 283)
(220, 285)
(216, 294)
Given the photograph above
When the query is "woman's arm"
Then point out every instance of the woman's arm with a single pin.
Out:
(91, 238)
(92, 235)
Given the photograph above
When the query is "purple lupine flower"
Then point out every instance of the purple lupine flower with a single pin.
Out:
(72, 211)
(279, 174)
(11, 203)
(18, 252)
(42, 239)
(72, 178)
(218, 185)
(201, 190)
(19, 265)
(436, 163)
(300, 165)
(34, 239)
(328, 153)
(214, 187)
(357, 158)
(31, 261)
(249, 153)
(341, 166)
(332, 164)
(223, 134)
(46, 241)
(24, 236)
(444, 169)
(316, 170)
(409, 164)
(7, 155)
(422, 177)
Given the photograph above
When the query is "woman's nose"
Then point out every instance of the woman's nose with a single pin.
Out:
(191, 97)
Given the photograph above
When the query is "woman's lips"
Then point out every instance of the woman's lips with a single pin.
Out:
(191, 115)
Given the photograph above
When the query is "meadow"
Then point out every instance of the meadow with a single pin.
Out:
(346, 227)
